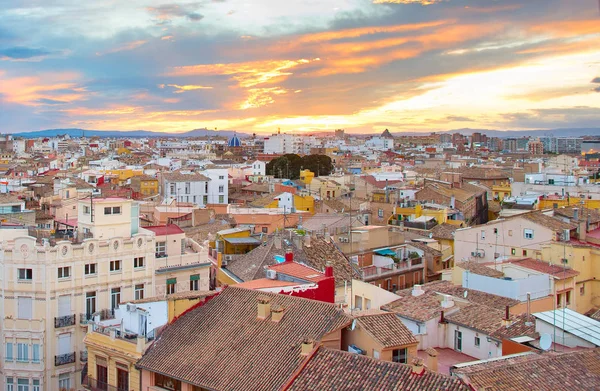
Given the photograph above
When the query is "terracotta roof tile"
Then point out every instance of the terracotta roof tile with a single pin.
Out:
(387, 329)
(444, 231)
(222, 345)
(540, 372)
(557, 271)
(478, 268)
(337, 370)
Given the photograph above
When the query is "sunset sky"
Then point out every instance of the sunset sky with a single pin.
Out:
(299, 65)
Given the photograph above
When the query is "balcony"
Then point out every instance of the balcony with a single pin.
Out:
(64, 321)
(63, 359)
(374, 272)
(95, 385)
(104, 314)
(83, 356)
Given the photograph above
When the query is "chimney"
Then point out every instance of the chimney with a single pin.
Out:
(442, 319)
(447, 302)
(417, 366)
(307, 346)
(277, 312)
(576, 214)
(264, 307)
(277, 240)
(432, 361)
(328, 270)
(506, 319)
(452, 201)
(289, 256)
(140, 343)
(417, 290)
(307, 240)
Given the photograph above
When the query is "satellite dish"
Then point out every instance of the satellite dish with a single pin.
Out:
(353, 325)
(545, 341)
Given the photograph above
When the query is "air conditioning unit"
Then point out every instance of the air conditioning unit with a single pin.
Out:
(229, 257)
(345, 239)
(131, 307)
(473, 253)
(271, 274)
(223, 263)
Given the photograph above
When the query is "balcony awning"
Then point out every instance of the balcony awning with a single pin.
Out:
(240, 241)
(385, 252)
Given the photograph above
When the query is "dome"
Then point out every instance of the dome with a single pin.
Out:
(234, 141)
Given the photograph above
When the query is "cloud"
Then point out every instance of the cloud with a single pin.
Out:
(596, 80)
(422, 2)
(183, 88)
(166, 12)
(20, 53)
(47, 101)
(125, 47)
(456, 118)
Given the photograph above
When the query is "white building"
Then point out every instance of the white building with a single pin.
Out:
(210, 186)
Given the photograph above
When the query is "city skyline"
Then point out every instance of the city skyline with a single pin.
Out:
(407, 65)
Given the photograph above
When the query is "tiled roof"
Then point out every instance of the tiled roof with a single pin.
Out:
(263, 283)
(337, 370)
(162, 230)
(264, 200)
(540, 372)
(421, 308)
(478, 317)
(568, 211)
(473, 296)
(444, 231)
(222, 345)
(177, 176)
(520, 325)
(387, 329)
(553, 223)
(478, 268)
(298, 270)
(560, 272)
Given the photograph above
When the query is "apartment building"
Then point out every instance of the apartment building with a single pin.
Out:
(51, 291)
(207, 187)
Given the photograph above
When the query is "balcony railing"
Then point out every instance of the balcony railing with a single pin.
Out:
(392, 268)
(83, 356)
(95, 385)
(64, 321)
(63, 359)
(105, 314)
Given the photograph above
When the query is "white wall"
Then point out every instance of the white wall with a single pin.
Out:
(484, 351)
(157, 315)
(538, 285)
(378, 296)
(561, 338)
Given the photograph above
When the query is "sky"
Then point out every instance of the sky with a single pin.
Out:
(299, 65)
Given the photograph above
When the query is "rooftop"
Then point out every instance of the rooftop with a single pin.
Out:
(574, 323)
(559, 272)
(387, 329)
(163, 230)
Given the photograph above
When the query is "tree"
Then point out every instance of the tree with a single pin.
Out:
(286, 166)
(319, 164)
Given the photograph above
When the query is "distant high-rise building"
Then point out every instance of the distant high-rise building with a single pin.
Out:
(535, 147)
(562, 144)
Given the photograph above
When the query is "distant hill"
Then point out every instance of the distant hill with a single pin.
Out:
(127, 133)
(566, 132)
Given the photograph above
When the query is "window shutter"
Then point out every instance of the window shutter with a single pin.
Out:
(195, 277)
(171, 281)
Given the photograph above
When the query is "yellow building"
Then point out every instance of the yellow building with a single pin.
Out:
(549, 203)
(501, 191)
(146, 185)
(234, 241)
(584, 258)
(306, 176)
(414, 213)
(300, 203)
(122, 175)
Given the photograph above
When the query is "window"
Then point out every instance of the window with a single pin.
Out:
(528, 233)
(380, 213)
(35, 352)
(221, 189)
(167, 382)
(138, 262)
(513, 251)
(9, 352)
(36, 384)
(115, 266)
(524, 253)
(477, 342)
(171, 286)
(25, 308)
(482, 235)
(90, 304)
(161, 249)
(64, 381)
(550, 181)
(139, 291)
(510, 232)
(582, 290)
(115, 297)
(204, 200)
(172, 188)
(90, 268)
(457, 340)
(221, 199)
(22, 352)
(86, 210)
(187, 188)
(194, 282)
(264, 230)
(221, 176)
(25, 274)
(495, 231)
(9, 384)
(568, 297)
(376, 354)
(64, 272)
(399, 355)
(112, 210)
(22, 384)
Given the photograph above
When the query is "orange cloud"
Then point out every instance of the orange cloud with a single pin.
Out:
(183, 88)
(34, 90)
(247, 74)
(261, 97)
(493, 9)
(128, 46)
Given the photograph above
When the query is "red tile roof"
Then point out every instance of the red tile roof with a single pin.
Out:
(262, 283)
(387, 329)
(329, 369)
(222, 345)
(557, 271)
(162, 230)
(298, 270)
